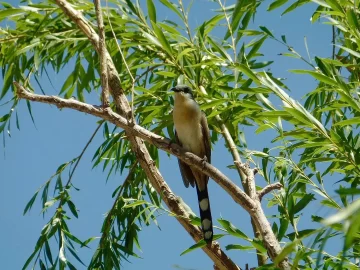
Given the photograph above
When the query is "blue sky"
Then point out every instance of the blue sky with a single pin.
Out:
(33, 154)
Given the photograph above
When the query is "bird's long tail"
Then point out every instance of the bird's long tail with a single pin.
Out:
(205, 213)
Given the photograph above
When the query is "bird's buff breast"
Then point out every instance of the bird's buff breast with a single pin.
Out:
(188, 128)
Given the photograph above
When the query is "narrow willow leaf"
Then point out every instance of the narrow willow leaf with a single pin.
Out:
(343, 214)
(72, 208)
(200, 244)
(348, 191)
(30, 203)
(213, 103)
(295, 5)
(248, 72)
(136, 203)
(352, 121)
(267, 31)
(171, 6)
(316, 75)
(8, 79)
(220, 50)
(276, 4)
(151, 10)
(286, 251)
(4, 117)
(10, 12)
(352, 52)
(231, 229)
(162, 39)
(239, 247)
(304, 201)
(259, 246)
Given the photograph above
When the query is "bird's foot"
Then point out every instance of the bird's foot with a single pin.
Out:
(204, 160)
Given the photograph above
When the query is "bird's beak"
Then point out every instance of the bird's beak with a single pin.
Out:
(174, 89)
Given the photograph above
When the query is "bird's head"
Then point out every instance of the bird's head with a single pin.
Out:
(183, 91)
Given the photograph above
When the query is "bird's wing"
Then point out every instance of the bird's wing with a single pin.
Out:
(186, 173)
(206, 137)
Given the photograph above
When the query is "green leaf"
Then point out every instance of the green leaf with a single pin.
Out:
(7, 80)
(304, 201)
(239, 247)
(231, 229)
(248, 72)
(352, 52)
(10, 12)
(295, 5)
(286, 251)
(348, 191)
(267, 31)
(30, 203)
(136, 203)
(220, 49)
(151, 10)
(72, 208)
(171, 6)
(348, 122)
(162, 39)
(4, 117)
(259, 246)
(343, 214)
(201, 244)
(213, 103)
(316, 75)
(276, 4)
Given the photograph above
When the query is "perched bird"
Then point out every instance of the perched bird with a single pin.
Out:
(192, 133)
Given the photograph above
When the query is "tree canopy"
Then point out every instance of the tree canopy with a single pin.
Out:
(126, 56)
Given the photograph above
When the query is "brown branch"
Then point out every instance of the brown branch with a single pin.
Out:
(247, 183)
(102, 53)
(252, 206)
(268, 189)
(82, 153)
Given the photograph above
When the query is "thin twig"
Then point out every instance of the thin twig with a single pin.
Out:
(82, 153)
(186, 20)
(124, 62)
(268, 189)
(230, 30)
(102, 48)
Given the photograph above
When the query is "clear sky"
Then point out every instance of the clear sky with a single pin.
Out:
(33, 154)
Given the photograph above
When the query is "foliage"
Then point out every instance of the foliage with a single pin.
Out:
(314, 140)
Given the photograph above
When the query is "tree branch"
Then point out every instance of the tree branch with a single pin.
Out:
(268, 189)
(247, 183)
(102, 53)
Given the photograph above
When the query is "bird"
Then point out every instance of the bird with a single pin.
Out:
(193, 134)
